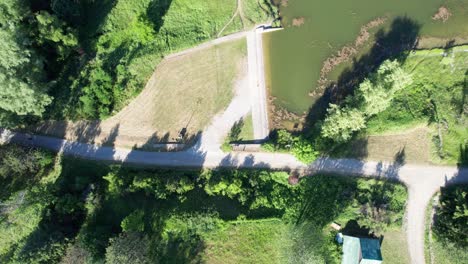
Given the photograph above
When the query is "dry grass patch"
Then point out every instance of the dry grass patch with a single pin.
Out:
(414, 144)
(184, 94)
(395, 247)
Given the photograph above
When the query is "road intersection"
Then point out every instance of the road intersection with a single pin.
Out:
(422, 180)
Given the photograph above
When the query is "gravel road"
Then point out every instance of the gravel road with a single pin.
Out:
(422, 180)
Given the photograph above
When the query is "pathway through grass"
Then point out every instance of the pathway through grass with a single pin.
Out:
(183, 95)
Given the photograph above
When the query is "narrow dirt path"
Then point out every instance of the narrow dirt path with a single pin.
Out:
(210, 43)
(238, 12)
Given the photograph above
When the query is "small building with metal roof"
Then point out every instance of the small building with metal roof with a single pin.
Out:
(361, 251)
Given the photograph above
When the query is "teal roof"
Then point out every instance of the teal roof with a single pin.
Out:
(351, 250)
(361, 251)
(370, 249)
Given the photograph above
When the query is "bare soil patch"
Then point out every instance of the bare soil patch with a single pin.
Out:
(443, 14)
(178, 102)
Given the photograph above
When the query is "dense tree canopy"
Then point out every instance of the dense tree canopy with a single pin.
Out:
(85, 59)
(341, 123)
(85, 212)
(373, 96)
(22, 78)
(376, 93)
(452, 216)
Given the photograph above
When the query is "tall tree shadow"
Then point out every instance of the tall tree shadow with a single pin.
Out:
(156, 11)
(392, 44)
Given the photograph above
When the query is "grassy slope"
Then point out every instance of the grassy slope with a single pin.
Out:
(448, 254)
(200, 85)
(128, 42)
(437, 78)
(448, 75)
(190, 22)
(185, 24)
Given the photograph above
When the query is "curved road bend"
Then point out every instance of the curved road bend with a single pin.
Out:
(422, 180)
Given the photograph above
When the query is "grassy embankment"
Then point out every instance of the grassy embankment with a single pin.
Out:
(117, 54)
(121, 50)
(85, 211)
(428, 119)
(183, 94)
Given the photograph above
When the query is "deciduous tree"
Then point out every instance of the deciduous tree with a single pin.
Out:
(341, 123)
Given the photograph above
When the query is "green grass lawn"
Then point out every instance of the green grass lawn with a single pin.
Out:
(247, 242)
(241, 131)
(247, 129)
(395, 247)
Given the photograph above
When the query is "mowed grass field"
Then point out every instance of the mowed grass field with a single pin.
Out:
(413, 144)
(247, 242)
(273, 241)
(395, 247)
(184, 93)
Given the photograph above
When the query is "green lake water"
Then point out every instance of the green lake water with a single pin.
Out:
(294, 56)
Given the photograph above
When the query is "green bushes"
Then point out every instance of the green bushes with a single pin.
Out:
(436, 97)
(373, 96)
(94, 212)
(304, 151)
(452, 215)
(91, 57)
(299, 146)
(24, 198)
(341, 123)
(22, 167)
(128, 248)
